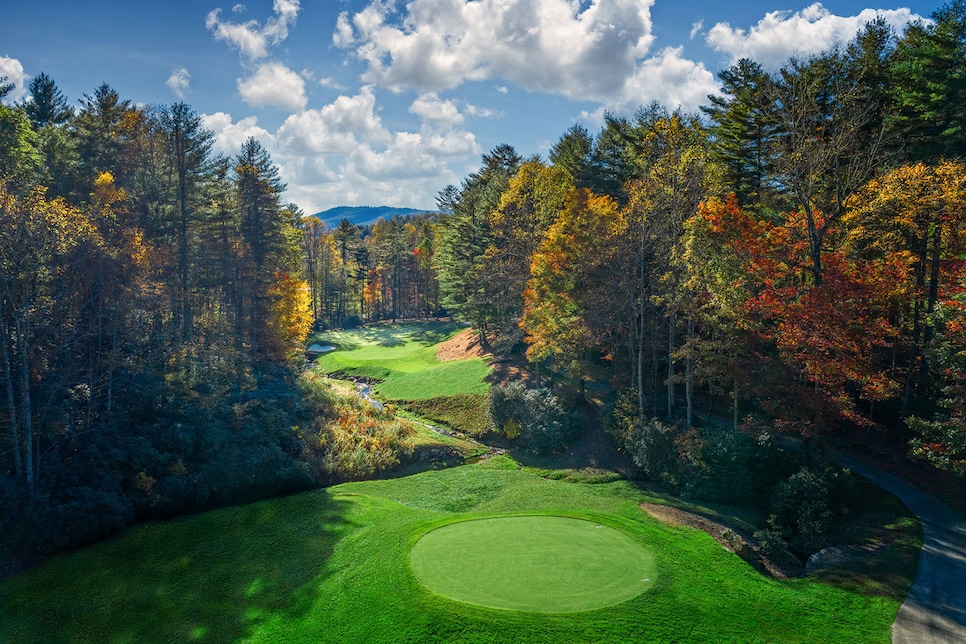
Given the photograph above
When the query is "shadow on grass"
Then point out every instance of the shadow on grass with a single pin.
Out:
(388, 335)
(209, 578)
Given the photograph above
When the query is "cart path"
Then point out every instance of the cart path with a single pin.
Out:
(935, 608)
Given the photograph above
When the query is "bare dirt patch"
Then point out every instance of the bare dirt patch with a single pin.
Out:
(742, 545)
(465, 344)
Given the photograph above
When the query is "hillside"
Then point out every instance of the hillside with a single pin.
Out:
(363, 215)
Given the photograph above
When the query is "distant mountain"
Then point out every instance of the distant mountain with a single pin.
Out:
(363, 215)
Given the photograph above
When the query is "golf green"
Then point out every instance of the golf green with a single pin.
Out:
(541, 564)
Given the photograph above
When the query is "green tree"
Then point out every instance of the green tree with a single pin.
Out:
(265, 235)
(744, 128)
(928, 79)
(464, 236)
(47, 105)
(188, 148)
(573, 153)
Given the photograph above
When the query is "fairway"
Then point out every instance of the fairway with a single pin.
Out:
(401, 358)
(540, 564)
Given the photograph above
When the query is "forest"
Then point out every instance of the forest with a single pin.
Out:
(792, 256)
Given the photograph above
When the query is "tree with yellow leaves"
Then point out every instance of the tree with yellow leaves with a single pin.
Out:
(565, 282)
(290, 319)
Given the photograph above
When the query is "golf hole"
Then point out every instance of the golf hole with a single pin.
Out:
(542, 564)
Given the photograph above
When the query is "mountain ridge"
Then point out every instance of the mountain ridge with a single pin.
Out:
(364, 215)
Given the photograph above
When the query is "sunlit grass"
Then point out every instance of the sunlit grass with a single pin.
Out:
(403, 358)
(332, 566)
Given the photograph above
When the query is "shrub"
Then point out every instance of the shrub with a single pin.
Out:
(349, 438)
(807, 506)
(653, 447)
(535, 417)
(733, 467)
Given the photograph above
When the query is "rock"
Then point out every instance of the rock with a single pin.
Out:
(835, 556)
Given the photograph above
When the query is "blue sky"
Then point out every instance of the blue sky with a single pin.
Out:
(372, 102)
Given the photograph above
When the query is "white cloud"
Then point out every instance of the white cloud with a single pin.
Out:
(274, 84)
(239, 8)
(432, 110)
(251, 38)
(179, 82)
(783, 34)
(12, 69)
(342, 153)
(481, 112)
(696, 28)
(572, 48)
(670, 79)
(229, 136)
(331, 83)
(342, 37)
(336, 128)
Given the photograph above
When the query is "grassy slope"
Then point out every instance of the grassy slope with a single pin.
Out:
(331, 566)
(403, 356)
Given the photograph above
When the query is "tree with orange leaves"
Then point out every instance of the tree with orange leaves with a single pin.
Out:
(563, 285)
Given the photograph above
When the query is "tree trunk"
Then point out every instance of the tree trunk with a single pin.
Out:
(734, 419)
(689, 375)
(672, 319)
(11, 408)
(26, 414)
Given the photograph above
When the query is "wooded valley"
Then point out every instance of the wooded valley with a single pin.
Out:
(793, 257)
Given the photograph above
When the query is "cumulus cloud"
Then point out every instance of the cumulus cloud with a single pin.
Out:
(343, 153)
(230, 135)
(179, 82)
(576, 49)
(335, 128)
(432, 110)
(12, 70)
(251, 38)
(783, 34)
(668, 78)
(274, 84)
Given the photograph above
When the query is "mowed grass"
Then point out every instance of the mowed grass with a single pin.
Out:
(333, 566)
(541, 564)
(403, 357)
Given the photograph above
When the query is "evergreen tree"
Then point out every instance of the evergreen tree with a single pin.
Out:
(929, 85)
(744, 128)
(47, 105)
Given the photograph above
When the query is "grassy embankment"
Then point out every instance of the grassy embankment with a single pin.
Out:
(401, 358)
(333, 566)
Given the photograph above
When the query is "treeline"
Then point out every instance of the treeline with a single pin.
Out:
(381, 271)
(150, 299)
(796, 249)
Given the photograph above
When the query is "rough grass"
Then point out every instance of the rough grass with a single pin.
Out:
(466, 413)
(333, 566)
(403, 358)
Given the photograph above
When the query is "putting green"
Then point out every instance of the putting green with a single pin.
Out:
(542, 564)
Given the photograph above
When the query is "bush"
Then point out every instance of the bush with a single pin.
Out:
(807, 507)
(733, 467)
(535, 417)
(653, 447)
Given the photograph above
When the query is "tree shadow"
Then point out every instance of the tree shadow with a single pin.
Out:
(214, 577)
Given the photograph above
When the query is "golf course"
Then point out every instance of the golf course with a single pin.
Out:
(490, 551)
(355, 563)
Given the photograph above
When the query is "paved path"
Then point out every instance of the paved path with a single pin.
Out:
(935, 608)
